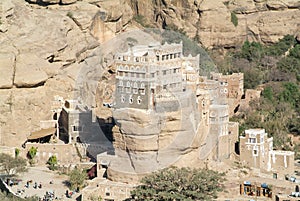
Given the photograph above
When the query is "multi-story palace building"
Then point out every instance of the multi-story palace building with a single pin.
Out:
(144, 73)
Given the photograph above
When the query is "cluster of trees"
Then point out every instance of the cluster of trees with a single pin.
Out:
(264, 63)
(180, 184)
(12, 165)
(276, 67)
(277, 111)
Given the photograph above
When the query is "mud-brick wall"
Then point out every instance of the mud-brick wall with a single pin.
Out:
(65, 153)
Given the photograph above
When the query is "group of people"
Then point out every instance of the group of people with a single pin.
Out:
(27, 185)
(49, 196)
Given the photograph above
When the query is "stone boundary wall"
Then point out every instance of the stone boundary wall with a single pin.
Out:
(65, 153)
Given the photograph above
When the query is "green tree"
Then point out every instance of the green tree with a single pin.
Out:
(290, 94)
(17, 152)
(295, 52)
(52, 162)
(32, 152)
(252, 51)
(180, 184)
(12, 165)
(268, 93)
(77, 178)
(281, 47)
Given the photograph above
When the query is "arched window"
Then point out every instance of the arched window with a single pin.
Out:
(135, 88)
(142, 85)
(128, 84)
(130, 99)
(139, 100)
(120, 83)
(122, 99)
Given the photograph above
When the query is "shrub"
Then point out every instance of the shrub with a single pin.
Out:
(32, 152)
(52, 162)
(234, 19)
(17, 152)
(281, 47)
(70, 14)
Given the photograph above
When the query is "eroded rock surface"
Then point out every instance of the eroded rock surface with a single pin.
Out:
(209, 22)
(44, 48)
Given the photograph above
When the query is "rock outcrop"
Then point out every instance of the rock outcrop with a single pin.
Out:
(45, 50)
(145, 141)
(209, 22)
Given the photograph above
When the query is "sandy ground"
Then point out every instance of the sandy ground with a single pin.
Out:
(43, 176)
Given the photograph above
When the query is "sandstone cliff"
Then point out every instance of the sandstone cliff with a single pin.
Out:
(209, 22)
(46, 50)
(51, 47)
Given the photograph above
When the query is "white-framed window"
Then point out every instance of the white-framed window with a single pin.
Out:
(252, 140)
(120, 83)
(128, 84)
(142, 91)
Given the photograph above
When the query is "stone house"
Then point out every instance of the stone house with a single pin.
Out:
(75, 120)
(231, 86)
(256, 150)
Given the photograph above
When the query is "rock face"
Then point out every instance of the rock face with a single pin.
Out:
(49, 47)
(210, 21)
(146, 141)
(45, 49)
